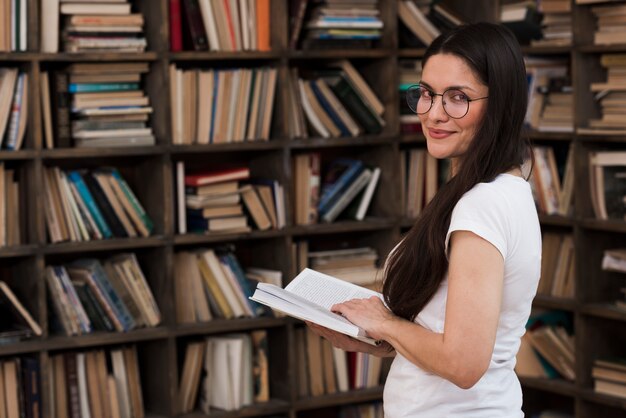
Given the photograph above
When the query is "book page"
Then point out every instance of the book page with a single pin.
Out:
(325, 290)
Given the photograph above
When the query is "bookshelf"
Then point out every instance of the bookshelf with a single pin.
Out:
(599, 329)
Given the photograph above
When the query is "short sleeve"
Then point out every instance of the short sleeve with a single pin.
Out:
(484, 212)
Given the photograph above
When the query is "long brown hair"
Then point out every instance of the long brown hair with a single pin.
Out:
(418, 265)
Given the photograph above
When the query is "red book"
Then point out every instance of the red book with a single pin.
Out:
(202, 179)
(176, 34)
(263, 24)
(231, 27)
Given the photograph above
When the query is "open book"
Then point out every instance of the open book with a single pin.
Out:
(310, 296)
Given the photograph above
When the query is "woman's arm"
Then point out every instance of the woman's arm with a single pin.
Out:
(346, 343)
(463, 352)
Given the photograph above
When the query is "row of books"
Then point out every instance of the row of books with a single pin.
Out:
(611, 24)
(610, 95)
(10, 205)
(423, 20)
(324, 369)
(235, 25)
(419, 180)
(14, 87)
(83, 205)
(96, 384)
(333, 102)
(334, 24)
(372, 410)
(213, 201)
(547, 348)
(20, 387)
(610, 377)
(214, 285)
(552, 196)
(614, 260)
(556, 25)
(347, 186)
(218, 106)
(96, 105)
(14, 23)
(235, 369)
(557, 266)
(410, 73)
(88, 295)
(550, 96)
(607, 183)
(87, 26)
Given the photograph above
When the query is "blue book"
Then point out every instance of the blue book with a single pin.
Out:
(231, 261)
(340, 174)
(329, 109)
(100, 279)
(85, 194)
(214, 106)
(101, 87)
(72, 297)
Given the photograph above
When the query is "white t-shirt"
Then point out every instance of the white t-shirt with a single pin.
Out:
(503, 213)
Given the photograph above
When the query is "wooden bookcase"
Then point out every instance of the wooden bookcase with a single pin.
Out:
(599, 330)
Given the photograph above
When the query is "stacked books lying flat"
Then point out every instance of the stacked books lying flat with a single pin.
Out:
(410, 75)
(420, 180)
(611, 96)
(523, 18)
(550, 95)
(557, 266)
(10, 204)
(614, 260)
(214, 285)
(547, 349)
(611, 24)
(101, 27)
(20, 380)
(610, 377)
(552, 196)
(87, 296)
(324, 370)
(556, 25)
(607, 177)
(97, 105)
(17, 322)
(88, 383)
(235, 369)
(239, 25)
(220, 106)
(14, 24)
(422, 21)
(82, 206)
(338, 24)
(212, 201)
(13, 107)
(347, 189)
(335, 102)
(354, 265)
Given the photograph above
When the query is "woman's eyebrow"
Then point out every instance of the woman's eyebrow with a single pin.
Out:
(425, 84)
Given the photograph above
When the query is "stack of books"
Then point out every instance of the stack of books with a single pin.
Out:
(88, 205)
(201, 25)
(14, 24)
(546, 76)
(336, 102)
(556, 24)
(347, 188)
(211, 201)
(342, 24)
(557, 112)
(221, 106)
(87, 296)
(96, 27)
(10, 213)
(610, 377)
(14, 97)
(523, 18)
(410, 75)
(17, 322)
(20, 379)
(419, 180)
(611, 95)
(611, 24)
(235, 369)
(97, 105)
(86, 383)
(608, 184)
(614, 260)
(557, 266)
(354, 265)
(552, 196)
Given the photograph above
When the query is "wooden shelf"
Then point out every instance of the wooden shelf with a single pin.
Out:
(230, 147)
(558, 386)
(355, 396)
(547, 50)
(600, 49)
(600, 225)
(551, 302)
(550, 136)
(98, 56)
(274, 406)
(556, 220)
(601, 399)
(339, 54)
(79, 153)
(104, 339)
(413, 139)
(217, 326)
(116, 244)
(368, 140)
(18, 251)
(223, 56)
(17, 155)
(211, 238)
(605, 311)
(411, 52)
(370, 224)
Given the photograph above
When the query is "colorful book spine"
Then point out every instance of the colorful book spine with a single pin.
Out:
(76, 178)
(101, 87)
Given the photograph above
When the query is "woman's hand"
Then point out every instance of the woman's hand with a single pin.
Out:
(347, 343)
(368, 314)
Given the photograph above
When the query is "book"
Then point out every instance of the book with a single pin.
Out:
(309, 297)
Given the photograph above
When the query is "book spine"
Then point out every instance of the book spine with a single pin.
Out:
(176, 36)
(133, 199)
(356, 107)
(333, 190)
(89, 201)
(340, 204)
(195, 25)
(61, 104)
(105, 206)
(101, 87)
(71, 374)
(16, 113)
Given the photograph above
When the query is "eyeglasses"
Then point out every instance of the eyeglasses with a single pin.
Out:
(455, 102)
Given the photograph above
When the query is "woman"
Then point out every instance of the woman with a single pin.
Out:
(459, 286)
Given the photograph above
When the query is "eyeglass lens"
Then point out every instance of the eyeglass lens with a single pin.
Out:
(420, 100)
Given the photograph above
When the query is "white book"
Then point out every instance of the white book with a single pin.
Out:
(180, 194)
(121, 382)
(367, 195)
(85, 412)
(310, 296)
(209, 24)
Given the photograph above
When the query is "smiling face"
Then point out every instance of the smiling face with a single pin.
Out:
(447, 137)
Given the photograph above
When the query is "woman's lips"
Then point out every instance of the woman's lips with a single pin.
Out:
(439, 133)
